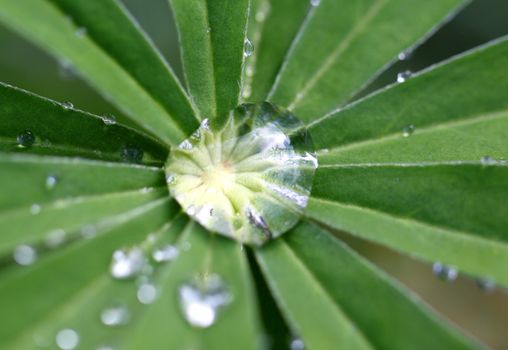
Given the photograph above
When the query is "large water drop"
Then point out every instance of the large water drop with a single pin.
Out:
(128, 263)
(249, 178)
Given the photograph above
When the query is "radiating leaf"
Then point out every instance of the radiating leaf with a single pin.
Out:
(466, 89)
(343, 44)
(58, 278)
(49, 27)
(61, 130)
(24, 179)
(212, 35)
(164, 326)
(388, 315)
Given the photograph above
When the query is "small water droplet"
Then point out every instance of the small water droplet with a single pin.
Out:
(165, 253)
(486, 285)
(66, 70)
(55, 238)
(208, 30)
(24, 255)
(108, 119)
(246, 91)
(147, 293)
(127, 263)
(146, 190)
(51, 181)
(488, 160)
(445, 273)
(296, 344)
(67, 339)
(248, 48)
(249, 70)
(408, 130)
(202, 299)
(131, 154)
(315, 2)
(88, 231)
(26, 139)
(105, 347)
(170, 178)
(404, 55)
(185, 145)
(115, 316)
(403, 76)
(35, 209)
(67, 105)
(81, 32)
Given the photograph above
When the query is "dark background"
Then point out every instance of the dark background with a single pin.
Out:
(485, 315)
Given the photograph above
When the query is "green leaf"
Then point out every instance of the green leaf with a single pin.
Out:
(212, 35)
(454, 213)
(272, 27)
(23, 179)
(310, 310)
(113, 28)
(60, 278)
(342, 45)
(48, 26)
(388, 315)
(61, 130)
(207, 255)
(442, 97)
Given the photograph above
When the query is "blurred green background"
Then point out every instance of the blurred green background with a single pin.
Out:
(483, 314)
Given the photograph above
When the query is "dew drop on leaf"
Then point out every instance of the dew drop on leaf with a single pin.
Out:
(108, 119)
(51, 181)
(35, 209)
(147, 293)
(128, 263)
(403, 76)
(405, 55)
(165, 253)
(115, 316)
(131, 154)
(486, 285)
(296, 344)
(81, 32)
(248, 48)
(26, 139)
(67, 339)
(202, 299)
(67, 105)
(487, 160)
(249, 178)
(24, 255)
(445, 273)
(55, 238)
(315, 2)
(408, 130)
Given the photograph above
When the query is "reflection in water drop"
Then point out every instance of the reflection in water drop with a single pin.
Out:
(108, 119)
(165, 253)
(128, 263)
(35, 209)
(248, 48)
(202, 299)
(67, 105)
(131, 154)
(315, 2)
(408, 130)
(147, 293)
(24, 255)
(488, 160)
(443, 272)
(26, 139)
(296, 344)
(67, 339)
(55, 238)
(115, 316)
(249, 178)
(486, 285)
(403, 76)
(51, 182)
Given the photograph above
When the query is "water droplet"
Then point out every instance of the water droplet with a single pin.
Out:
(127, 263)
(263, 11)
(248, 48)
(202, 299)
(408, 130)
(108, 119)
(24, 255)
(246, 91)
(488, 160)
(88, 231)
(165, 253)
(115, 316)
(131, 154)
(486, 285)
(315, 2)
(55, 238)
(147, 293)
(35, 209)
(67, 105)
(403, 76)
(250, 179)
(186, 246)
(105, 347)
(443, 272)
(208, 30)
(67, 339)
(66, 70)
(51, 181)
(405, 55)
(296, 344)
(26, 139)
(81, 32)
